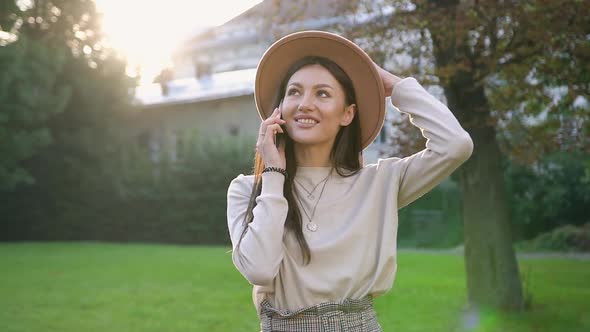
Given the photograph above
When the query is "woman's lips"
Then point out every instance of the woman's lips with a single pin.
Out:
(304, 124)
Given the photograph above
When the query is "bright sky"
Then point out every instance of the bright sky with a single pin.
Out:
(148, 31)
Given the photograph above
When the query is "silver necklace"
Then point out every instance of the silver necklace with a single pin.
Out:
(312, 226)
(310, 193)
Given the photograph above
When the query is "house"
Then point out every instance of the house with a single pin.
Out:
(211, 85)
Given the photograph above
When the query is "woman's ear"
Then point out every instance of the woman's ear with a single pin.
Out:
(349, 113)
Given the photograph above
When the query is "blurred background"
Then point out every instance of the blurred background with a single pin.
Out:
(123, 122)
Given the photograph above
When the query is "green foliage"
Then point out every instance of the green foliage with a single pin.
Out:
(30, 95)
(75, 176)
(7, 21)
(553, 192)
(563, 238)
(67, 96)
(433, 221)
(548, 194)
(134, 196)
(183, 200)
(492, 65)
(61, 92)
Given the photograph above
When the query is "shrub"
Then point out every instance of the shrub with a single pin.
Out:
(434, 220)
(548, 194)
(184, 200)
(564, 238)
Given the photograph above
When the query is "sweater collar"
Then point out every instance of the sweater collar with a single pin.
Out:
(313, 173)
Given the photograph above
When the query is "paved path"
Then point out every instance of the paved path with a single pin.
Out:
(526, 255)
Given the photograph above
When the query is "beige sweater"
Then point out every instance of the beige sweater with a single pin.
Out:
(354, 248)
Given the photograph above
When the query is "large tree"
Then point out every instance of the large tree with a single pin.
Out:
(67, 95)
(29, 97)
(516, 67)
(30, 94)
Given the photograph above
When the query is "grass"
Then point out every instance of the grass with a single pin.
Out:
(89, 286)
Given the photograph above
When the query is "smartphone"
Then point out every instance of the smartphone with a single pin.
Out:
(279, 136)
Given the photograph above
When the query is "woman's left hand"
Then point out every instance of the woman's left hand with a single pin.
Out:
(389, 80)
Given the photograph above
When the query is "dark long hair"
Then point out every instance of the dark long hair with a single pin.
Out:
(345, 155)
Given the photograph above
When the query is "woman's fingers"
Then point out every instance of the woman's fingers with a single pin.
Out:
(273, 118)
(274, 128)
(276, 115)
(389, 80)
(271, 131)
(266, 146)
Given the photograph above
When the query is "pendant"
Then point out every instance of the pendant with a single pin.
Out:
(312, 227)
(311, 197)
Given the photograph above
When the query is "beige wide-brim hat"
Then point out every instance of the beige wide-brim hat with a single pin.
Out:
(368, 86)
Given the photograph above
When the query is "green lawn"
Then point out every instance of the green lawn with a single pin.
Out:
(87, 286)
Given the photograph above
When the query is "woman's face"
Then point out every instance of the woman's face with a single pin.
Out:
(314, 106)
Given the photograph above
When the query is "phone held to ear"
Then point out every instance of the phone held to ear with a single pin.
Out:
(279, 136)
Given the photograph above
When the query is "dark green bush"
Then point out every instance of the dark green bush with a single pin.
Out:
(184, 200)
(564, 238)
(434, 220)
(551, 193)
(128, 197)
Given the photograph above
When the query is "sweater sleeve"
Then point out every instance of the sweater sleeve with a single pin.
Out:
(261, 251)
(448, 145)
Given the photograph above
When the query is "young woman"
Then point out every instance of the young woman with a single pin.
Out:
(313, 229)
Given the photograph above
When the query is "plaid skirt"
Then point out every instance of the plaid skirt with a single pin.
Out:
(348, 315)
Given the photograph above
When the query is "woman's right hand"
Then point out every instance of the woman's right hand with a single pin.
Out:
(265, 145)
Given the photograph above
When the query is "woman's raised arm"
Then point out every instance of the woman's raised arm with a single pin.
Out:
(448, 145)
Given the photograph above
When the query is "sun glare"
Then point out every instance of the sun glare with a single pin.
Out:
(147, 32)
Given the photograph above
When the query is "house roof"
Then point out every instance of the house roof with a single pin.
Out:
(288, 11)
(192, 90)
(266, 22)
(310, 14)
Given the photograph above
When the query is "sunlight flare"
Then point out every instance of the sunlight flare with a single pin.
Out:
(148, 32)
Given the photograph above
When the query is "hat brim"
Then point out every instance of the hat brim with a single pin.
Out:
(368, 87)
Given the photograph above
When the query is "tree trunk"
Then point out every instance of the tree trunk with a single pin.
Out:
(490, 261)
(492, 270)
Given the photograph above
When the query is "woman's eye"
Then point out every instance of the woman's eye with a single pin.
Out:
(323, 93)
(291, 92)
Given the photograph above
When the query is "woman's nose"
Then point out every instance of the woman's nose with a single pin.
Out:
(306, 103)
